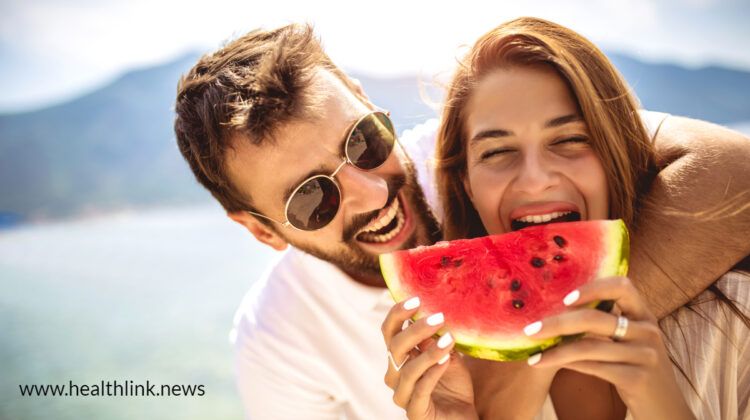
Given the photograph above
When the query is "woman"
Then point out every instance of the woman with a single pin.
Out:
(538, 123)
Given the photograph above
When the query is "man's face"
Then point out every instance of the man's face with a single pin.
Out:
(381, 210)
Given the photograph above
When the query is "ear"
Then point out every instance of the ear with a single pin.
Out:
(261, 232)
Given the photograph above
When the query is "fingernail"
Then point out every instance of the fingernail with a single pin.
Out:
(532, 328)
(435, 319)
(534, 359)
(571, 298)
(445, 341)
(444, 359)
(411, 303)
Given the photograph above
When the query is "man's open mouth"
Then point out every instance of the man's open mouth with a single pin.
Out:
(390, 222)
(543, 219)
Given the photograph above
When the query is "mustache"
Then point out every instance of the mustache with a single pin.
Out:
(395, 184)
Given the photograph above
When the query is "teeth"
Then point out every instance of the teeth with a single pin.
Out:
(541, 218)
(387, 218)
(390, 235)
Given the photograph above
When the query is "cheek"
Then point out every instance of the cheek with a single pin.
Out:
(592, 182)
(488, 188)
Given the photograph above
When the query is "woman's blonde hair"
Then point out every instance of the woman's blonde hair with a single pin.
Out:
(617, 134)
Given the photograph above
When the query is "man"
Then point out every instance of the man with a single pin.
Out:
(295, 153)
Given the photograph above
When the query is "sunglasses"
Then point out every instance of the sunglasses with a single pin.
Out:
(315, 202)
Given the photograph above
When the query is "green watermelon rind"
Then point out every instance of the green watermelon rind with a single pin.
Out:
(614, 264)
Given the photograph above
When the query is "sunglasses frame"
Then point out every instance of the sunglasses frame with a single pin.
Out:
(345, 160)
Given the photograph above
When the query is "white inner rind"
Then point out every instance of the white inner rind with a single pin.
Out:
(389, 269)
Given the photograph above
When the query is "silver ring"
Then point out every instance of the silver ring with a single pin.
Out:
(396, 366)
(621, 329)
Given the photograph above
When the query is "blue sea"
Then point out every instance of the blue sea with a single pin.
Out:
(133, 296)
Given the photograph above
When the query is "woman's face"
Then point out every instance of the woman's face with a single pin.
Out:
(529, 158)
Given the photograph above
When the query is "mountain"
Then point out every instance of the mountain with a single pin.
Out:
(714, 94)
(109, 149)
(114, 147)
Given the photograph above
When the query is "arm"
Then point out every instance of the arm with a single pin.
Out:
(695, 222)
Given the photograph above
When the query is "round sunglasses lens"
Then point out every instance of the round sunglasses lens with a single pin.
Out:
(371, 141)
(314, 204)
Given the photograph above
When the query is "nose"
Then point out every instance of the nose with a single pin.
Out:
(361, 191)
(535, 175)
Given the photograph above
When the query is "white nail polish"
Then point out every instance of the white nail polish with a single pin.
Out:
(435, 319)
(571, 298)
(445, 341)
(444, 359)
(534, 359)
(411, 303)
(532, 328)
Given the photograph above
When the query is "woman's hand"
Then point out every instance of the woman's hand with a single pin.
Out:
(428, 380)
(635, 359)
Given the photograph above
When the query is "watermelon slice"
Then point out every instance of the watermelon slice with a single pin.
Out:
(489, 288)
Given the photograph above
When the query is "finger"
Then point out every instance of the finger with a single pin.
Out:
(419, 333)
(419, 404)
(594, 350)
(414, 369)
(619, 375)
(396, 317)
(414, 334)
(619, 289)
(588, 321)
(393, 376)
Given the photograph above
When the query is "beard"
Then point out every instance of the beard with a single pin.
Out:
(352, 259)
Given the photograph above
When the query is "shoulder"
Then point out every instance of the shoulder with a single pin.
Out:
(736, 286)
(652, 121)
(419, 145)
(709, 315)
(274, 302)
(419, 141)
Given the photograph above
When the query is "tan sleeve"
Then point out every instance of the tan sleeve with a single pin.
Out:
(695, 222)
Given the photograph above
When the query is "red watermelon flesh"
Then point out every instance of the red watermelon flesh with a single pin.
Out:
(489, 288)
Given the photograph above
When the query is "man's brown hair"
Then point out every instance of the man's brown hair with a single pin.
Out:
(246, 90)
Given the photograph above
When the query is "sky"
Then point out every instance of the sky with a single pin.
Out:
(51, 50)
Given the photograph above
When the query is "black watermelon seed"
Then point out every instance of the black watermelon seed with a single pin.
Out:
(458, 262)
(517, 303)
(560, 241)
(558, 257)
(491, 283)
(515, 285)
(444, 261)
(537, 262)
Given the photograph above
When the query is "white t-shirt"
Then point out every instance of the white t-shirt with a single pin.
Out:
(308, 344)
(307, 337)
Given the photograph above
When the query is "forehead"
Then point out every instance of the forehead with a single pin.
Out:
(516, 94)
(265, 171)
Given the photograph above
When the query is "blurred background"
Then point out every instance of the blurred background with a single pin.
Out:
(116, 265)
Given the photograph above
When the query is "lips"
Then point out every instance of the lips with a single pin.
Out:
(388, 223)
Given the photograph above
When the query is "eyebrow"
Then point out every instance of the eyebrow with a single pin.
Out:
(497, 132)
